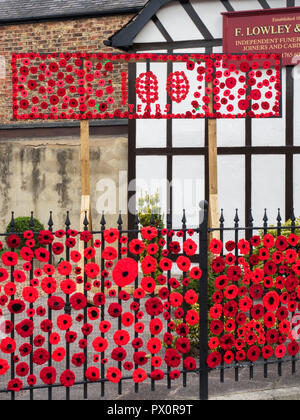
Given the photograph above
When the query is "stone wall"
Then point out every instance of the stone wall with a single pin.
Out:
(43, 174)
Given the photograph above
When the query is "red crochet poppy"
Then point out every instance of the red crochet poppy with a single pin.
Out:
(125, 272)
(92, 270)
(40, 356)
(100, 344)
(136, 247)
(67, 378)
(114, 375)
(172, 358)
(111, 235)
(92, 374)
(48, 375)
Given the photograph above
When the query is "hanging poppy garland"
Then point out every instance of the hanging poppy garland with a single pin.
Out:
(55, 312)
(255, 302)
(95, 86)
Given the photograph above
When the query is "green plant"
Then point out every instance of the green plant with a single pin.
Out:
(149, 212)
(22, 224)
(285, 231)
(193, 335)
(194, 284)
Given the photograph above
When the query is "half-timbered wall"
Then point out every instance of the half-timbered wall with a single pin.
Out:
(259, 160)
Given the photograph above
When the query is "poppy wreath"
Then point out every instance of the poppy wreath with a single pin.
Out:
(83, 86)
(84, 326)
(256, 299)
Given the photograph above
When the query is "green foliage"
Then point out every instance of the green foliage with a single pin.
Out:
(148, 207)
(274, 232)
(193, 335)
(194, 284)
(22, 224)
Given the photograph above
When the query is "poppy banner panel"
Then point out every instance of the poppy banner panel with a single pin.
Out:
(193, 86)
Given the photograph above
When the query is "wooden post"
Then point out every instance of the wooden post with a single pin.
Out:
(85, 171)
(85, 187)
(213, 170)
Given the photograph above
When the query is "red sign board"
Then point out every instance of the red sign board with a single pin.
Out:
(275, 31)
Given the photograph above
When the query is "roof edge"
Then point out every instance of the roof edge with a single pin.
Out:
(123, 38)
(99, 13)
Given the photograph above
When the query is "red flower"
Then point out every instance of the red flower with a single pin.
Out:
(154, 307)
(100, 344)
(189, 247)
(16, 306)
(191, 297)
(253, 354)
(125, 272)
(149, 233)
(67, 378)
(13, 241)
(139, 375)
(40, 356)
(280, 351)
(114, 310)
(7, 345)
(64, 322)
(196, 273)
(64, 268)
(49, 285)
(271, 301)
(3, 275)
(9, 259)
(109, 253)
(92, 270)
(154, 345)
(68, 286)
(281, 243)
(214, 360)
(48, 375)
(165, 264)
(119, 354)
(136, 247)
(189, 364)
(157, 375)
(26, 253)
(149, 265)
(25, 328)
(42, 254)
(45, 237)
(215, 246)
(175, 299)
(172, 358)
(78, 301)
(218, 265)
(183, 263)
(183, 345)
(56, 303)
(92, 374)
(30, 294)
(4, 367)
(114, 375)
(78, 359)
(15, 385)
(111, 235)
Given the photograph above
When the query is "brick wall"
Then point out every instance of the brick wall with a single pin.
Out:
(59, 36)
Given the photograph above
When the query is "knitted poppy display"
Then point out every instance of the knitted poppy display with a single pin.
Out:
(85, 85)
(254, 296)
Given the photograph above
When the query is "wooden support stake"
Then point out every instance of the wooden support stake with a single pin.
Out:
(214, 216)
(85, 188)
